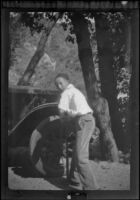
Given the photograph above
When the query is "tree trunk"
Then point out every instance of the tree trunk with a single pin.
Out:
(24, 80)
(128, 45)
(107, 77)
(39, 52)
(98, 103)
(84, 51)
(108, 145)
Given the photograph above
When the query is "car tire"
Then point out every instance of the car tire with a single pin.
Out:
(37, 144)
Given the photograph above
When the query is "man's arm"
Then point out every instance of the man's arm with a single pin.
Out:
(63, 107)
(64, 110)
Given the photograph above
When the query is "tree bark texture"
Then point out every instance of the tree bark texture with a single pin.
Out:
(128, 45)
(107, 77)
(39, 52)
(86, 59)
(84, 51)
(108, 145)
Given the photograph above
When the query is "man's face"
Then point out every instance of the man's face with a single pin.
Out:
(61, 83)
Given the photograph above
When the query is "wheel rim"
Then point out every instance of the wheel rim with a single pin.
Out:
(45, 156)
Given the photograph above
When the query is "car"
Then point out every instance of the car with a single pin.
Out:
(38, 141)
(40, 131)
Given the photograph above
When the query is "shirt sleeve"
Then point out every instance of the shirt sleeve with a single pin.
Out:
(64, 105)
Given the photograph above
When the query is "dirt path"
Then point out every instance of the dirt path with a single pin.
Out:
(110, 176)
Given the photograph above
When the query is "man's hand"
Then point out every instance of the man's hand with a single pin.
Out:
(64, 115)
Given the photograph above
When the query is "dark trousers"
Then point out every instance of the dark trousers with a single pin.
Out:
(81, 171)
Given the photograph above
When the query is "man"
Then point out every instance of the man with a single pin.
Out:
(74, 107)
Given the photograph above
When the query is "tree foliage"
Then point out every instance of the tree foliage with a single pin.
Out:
(117, 27)
(117, 23)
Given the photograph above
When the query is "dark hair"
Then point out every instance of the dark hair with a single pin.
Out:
(62, 75)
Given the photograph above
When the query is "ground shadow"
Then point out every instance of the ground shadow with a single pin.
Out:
(25, 172)
(21, 165)
(59, 182)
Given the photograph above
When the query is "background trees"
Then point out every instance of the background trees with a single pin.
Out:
(114, 66)
(111, 55)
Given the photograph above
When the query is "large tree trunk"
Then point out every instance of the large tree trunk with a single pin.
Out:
(98, 103)
(107, 76)
(39, 52)
(84, 51)
(128, 44)
(108, 145)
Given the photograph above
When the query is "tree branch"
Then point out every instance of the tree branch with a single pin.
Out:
(24, 80)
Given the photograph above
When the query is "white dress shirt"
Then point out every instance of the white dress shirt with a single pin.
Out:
(74, 102)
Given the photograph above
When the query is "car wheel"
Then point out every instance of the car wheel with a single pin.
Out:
(45, 148)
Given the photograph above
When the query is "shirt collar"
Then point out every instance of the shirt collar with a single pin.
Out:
(70, 86)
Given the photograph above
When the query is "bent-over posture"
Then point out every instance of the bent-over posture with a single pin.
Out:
(74, 107)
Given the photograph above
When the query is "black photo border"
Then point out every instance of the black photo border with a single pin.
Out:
(8, 6)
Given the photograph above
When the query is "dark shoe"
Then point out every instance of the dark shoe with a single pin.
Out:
(74, 183)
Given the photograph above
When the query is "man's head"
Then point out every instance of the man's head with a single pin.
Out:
(62, 81)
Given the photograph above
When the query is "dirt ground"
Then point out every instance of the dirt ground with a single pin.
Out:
(110, 176)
